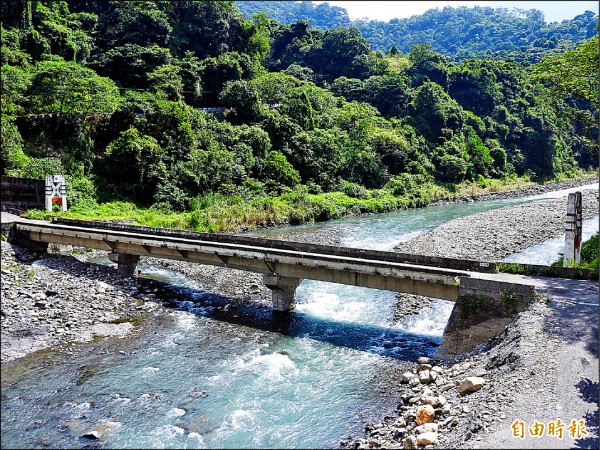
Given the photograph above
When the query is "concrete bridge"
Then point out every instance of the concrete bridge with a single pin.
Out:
(485, 301)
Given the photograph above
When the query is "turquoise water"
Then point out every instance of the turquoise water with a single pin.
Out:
(245, 378)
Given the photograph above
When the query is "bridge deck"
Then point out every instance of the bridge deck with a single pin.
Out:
(325, 263)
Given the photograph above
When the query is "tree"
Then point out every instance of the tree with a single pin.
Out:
(277, 168)
(573, 74)
(167, 81)
(61, 88)
(136, 163)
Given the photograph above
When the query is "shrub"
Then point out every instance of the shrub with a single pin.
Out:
(355, 190)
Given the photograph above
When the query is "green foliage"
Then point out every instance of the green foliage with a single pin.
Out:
(508, 298)
(276, 168)
(462, 31)
(167, 82)
(589, 255)
(66, 87)
(12, 157)
(355, 190)
(136, 163)
(14, 83)
(38, 168)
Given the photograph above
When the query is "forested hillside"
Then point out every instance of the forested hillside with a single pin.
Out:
(459, 32)
(306, 124)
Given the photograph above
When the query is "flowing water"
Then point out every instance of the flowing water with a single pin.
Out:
(205, 378)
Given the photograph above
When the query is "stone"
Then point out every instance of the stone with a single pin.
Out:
(437, 369)
(427, 428)
(425, 414)
(406, 377)
(414, 381)
(413, 400)
(102, 287)
(410, 442)
(424, 367)
(424, 376)
(470, 384)
(398, 433)
(97, 433)
(445, 387)
(424, 360)
(400, 423)
(427, 438)
(431, 400)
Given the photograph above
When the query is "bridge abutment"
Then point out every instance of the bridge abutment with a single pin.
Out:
(283, 291)
(482, 310)
(126, 264)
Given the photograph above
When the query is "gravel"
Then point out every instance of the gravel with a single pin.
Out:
(58, 300)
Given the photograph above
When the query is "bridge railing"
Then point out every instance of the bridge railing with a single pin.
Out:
(406, 258)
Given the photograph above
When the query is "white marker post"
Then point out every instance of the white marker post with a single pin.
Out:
(573, 229)
(578, 226)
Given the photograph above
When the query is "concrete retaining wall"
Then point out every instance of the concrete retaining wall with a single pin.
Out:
(22, 193)
(482, 310)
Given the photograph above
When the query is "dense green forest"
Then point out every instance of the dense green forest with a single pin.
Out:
(457, 32)
(188, 114)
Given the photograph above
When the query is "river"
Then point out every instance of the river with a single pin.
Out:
(243, 379)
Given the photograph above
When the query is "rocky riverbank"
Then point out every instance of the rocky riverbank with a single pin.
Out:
(59, 299)
(521, 191)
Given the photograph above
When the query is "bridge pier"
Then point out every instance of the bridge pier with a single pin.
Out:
(283, 291)
(482, 310)
(126, 264)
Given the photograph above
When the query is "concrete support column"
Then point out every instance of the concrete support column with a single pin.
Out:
(126, 264)
(283, 291)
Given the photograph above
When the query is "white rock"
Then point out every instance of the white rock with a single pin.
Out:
(102, 287)
(427, 438)
(406, 377)
(424, 376)
(96, 433)
(470, 384)
(410, 442)
(427, 428)
(424, 360)
(414, 381)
